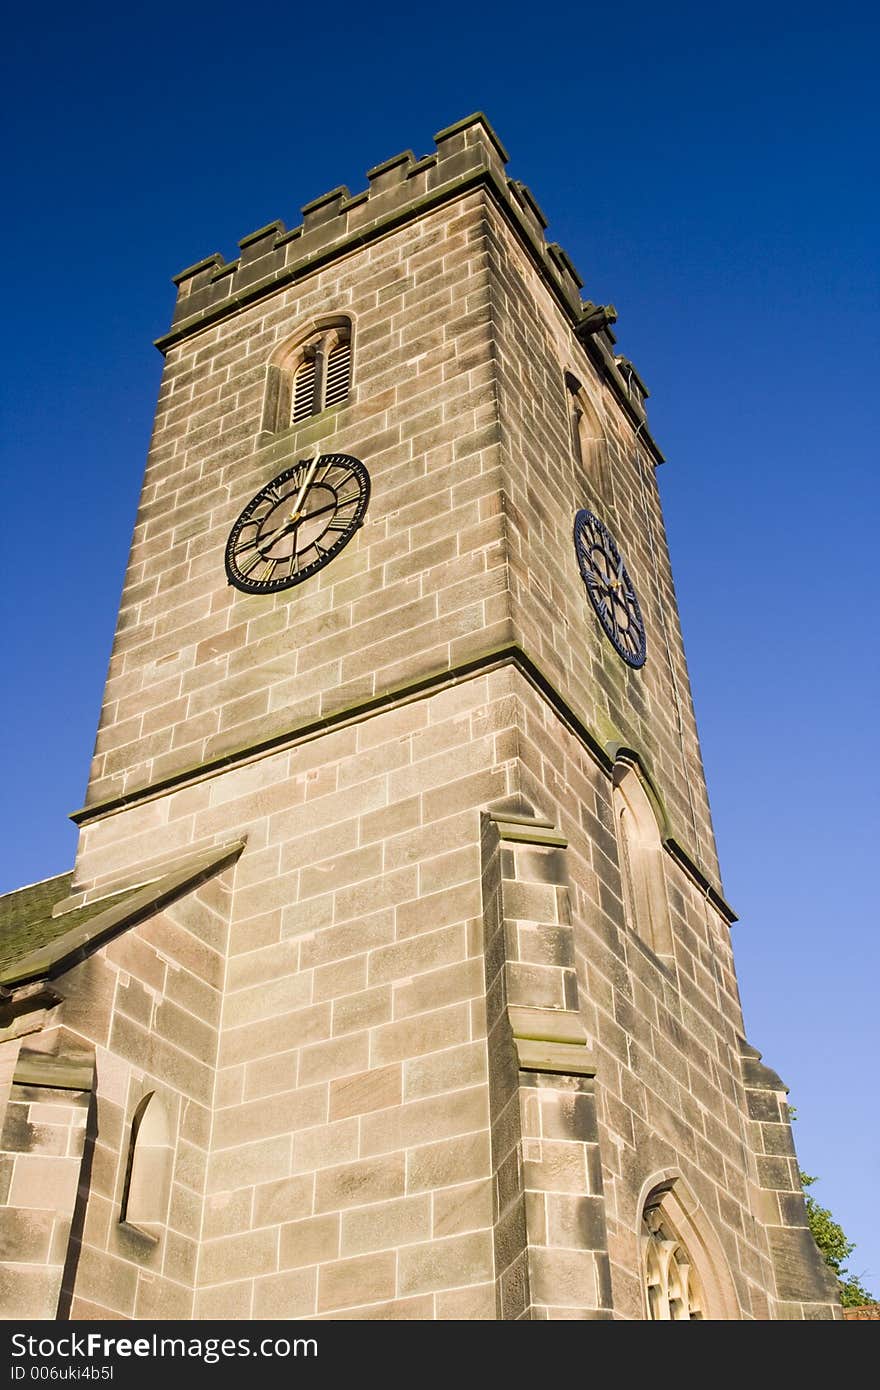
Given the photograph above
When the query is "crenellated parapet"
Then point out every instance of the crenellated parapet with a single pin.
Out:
(467, 155)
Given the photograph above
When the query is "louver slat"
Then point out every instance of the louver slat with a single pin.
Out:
(338, 374)
(304, 391)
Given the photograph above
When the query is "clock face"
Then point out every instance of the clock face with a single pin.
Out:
(297, 523)
(610, 588)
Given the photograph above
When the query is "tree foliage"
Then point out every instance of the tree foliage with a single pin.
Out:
(835, 1250)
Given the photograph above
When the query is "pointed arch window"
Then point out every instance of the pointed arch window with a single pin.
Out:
(686, 1274)
(672, 1285)
(148, 1172)
(641, 861)
(588, 440)
(309, 376)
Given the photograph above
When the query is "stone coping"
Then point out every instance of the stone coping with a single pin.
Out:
(59, 1073)
(124, 910)
(568, 1059)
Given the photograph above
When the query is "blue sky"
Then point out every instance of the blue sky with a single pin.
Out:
(712, 175)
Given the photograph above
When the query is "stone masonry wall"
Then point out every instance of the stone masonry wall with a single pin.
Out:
(339, 1163)
(315, 1018)
(200, 669)
(544, 486)
(336, 1159)
(43, 1144)
(149, 1003)
(665, 1038)
(673, 1095)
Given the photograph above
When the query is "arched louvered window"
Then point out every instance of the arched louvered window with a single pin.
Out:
(309, 376)
(338, 374)
(304, 389)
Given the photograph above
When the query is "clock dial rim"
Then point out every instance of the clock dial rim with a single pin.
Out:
(353, 522)
(593, 584)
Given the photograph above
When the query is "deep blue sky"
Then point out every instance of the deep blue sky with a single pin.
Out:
(714, 176)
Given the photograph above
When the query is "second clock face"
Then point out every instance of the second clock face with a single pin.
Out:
(610, 588)
(297, 523)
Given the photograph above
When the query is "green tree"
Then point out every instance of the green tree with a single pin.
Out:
(835, 1250)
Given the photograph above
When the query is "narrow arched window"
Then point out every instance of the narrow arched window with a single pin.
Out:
(641, 861)
(148, 1172)
(588, 440)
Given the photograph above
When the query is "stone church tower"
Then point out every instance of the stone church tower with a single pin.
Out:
(394, 977)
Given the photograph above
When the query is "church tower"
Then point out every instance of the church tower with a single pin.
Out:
(394, 975)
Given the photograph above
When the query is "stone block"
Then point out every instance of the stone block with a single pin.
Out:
(281, 1114)
(801, 1274)
(426, 952)
(284, 1296)
(29, 1293)
(467, 1207)
(225, 1302)
(44, 1183)
(287, 1199)
(575, 1222)
(324, 1146)
(365, 1279)
(429, 1032)
(551, 1166)
(355, 1184)
(262, 1162)
(446, 1264)
(310, 1242)
(339, 1057)
(454, 1067)
(472, 1304)
(457, 1112)
(566, 1278)
(386, 1225)
(365, 1092)
(448, 1162)
(250, 1254)
(25, 1235)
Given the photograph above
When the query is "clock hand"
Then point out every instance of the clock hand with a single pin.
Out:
(616, 584)
(269, 540)
(294, 515)
(319, 511)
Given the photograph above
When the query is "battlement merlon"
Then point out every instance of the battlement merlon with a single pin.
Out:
(468, 155)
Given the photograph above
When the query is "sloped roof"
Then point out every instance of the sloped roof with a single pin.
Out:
(34, 943)
(26, 916)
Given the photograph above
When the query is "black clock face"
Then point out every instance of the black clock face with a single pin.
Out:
(297, 523)
(610, 588)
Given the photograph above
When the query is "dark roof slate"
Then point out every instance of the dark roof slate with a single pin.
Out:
(26, 920)
(34, 944)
